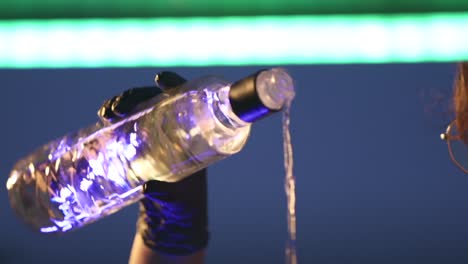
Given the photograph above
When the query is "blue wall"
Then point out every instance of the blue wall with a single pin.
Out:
(374, 182)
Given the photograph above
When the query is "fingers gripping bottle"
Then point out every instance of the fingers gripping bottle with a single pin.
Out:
(84, 176)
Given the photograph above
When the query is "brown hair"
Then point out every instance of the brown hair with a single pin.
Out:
(460, 100)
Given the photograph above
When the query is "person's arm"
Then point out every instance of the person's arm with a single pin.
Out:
(172, 226)
(141, 254)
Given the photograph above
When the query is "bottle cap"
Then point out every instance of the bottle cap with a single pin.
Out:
(261, 94)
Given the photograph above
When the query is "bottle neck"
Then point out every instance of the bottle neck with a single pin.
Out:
(245, 100)
(261, 94)
(222, 109)
(250, 99)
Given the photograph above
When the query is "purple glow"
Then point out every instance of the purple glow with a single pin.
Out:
(61, 224)
(49, 229)
(66, 228)
(93, 175)
(96, 165)
(133, 139)
(84, 185)
(63, 195)
(116, 174)
(130, 152)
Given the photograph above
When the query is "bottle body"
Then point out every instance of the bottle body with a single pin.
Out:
(85, 176)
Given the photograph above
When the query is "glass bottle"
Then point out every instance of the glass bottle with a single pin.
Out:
(84, 176)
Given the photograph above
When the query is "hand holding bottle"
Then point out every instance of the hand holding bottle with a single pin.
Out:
(173, 216)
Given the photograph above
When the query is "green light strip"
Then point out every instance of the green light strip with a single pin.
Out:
(233, 41)
(48, 9)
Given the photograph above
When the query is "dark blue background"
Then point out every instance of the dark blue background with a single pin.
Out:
(374, 182)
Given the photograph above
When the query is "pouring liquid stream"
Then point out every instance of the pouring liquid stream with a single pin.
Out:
(290, 188)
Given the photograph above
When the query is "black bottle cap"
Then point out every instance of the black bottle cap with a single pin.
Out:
(245, 100)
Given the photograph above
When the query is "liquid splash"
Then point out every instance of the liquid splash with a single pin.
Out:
(290, 187)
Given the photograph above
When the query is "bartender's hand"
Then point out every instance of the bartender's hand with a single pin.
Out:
(173, 219)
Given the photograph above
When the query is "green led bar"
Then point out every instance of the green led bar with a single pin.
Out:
(44, 9)
(233, 41)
